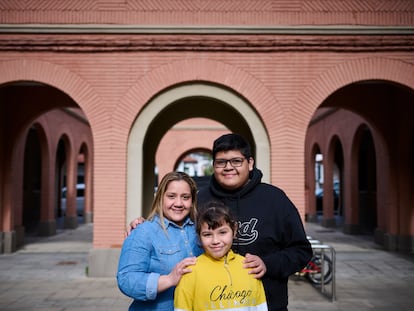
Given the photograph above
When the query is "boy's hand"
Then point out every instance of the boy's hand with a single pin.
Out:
(256, 264)
(133, 224)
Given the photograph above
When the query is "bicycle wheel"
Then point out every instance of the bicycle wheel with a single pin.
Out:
(314, 275)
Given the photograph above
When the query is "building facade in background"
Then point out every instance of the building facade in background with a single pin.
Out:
(309, 83)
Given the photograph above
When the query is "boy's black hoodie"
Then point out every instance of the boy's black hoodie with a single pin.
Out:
(269, 227)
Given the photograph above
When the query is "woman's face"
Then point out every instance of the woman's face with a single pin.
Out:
(177, 201)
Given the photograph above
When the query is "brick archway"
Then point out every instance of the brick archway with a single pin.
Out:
(141, 125)
(385, 71)
(198, 70)
(76, 90)
(56, 76)
(350, 72)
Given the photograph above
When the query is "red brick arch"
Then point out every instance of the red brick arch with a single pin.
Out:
(56, 76)
(244, 84)
(347, 73)
(199, 70)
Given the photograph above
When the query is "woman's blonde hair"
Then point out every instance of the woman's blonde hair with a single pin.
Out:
(158, 201)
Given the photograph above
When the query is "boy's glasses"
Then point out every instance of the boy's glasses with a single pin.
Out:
(235, 162)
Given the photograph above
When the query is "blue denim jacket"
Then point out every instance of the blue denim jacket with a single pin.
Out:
(149, 252)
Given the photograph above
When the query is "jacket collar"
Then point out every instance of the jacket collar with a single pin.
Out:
(226, 259)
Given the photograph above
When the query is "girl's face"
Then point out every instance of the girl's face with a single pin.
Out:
(216, 242)
(177, 201)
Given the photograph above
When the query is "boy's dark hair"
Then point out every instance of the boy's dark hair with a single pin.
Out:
(215, 214)
(229, 142)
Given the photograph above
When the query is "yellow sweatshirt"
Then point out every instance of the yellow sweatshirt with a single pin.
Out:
(219, 285)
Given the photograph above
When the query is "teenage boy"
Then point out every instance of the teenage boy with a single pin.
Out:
(271, 234)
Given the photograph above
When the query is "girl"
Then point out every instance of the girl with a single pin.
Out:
(218, 280)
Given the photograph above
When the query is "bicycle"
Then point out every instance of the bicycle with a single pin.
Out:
(313, 270)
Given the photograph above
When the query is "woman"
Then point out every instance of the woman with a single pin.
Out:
(157, 253)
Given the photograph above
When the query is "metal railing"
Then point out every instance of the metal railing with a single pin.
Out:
(320, 248)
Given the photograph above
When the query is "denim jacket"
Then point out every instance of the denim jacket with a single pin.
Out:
(149, 252)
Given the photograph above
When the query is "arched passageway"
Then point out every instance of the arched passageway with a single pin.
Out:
(35, 118)
(369, 125)
(180, 103)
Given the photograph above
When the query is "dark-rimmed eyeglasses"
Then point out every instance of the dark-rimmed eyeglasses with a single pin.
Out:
(235, 162)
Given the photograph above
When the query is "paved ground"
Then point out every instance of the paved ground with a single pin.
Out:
(367, 277)
(50, 274)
